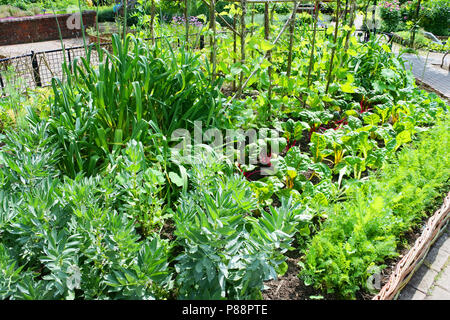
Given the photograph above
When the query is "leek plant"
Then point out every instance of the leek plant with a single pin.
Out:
(135, 91)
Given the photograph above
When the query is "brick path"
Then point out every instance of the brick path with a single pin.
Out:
(430, 71)
(26, 48)
(432, 280)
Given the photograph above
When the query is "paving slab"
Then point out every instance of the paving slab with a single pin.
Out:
(446, 244)
(423, 278)
(432, 280)
(443, 279)
(437, 258)
(26, 48)
(436, 77)
(411, 293)
(439, 294)
(439, 254)
(444, 240)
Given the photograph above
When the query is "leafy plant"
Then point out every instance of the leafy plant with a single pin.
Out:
(363, 231)
(73, 243)
(135, 90)
(227, 252)
(139, 186)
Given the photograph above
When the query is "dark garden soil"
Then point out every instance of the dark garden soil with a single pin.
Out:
(290, 286)
(167, 231)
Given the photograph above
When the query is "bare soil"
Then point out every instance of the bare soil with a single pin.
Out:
(289, 286)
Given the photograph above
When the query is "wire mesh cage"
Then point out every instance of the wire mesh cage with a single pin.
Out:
(38, 68)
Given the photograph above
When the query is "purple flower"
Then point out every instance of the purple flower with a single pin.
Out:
(193, 20)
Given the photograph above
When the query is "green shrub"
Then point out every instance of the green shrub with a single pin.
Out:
(17, 5)
(328, 8)
(6, 120)
(283, 8)
(391, 14)
(280, 8)
(73, 239)
(47, 4)
(103, 2)
(436, 17)
(304, 18)
(106, 15)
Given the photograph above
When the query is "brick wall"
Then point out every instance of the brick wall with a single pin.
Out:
(43, 28)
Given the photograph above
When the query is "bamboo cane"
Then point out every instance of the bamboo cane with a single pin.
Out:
(234, 50)
(345, 13)
(152, 21)
(265, 55)
(186, 21)
(365, 13)
(253, 21)
(311, 57)
(374, 9)
(212, 25)
(291, 44)
(333, 51)
(221, 18)
(269, 52)
(352, 21)
(241, 76)
(414, 30)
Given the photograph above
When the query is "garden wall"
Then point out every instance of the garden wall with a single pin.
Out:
(43, 27)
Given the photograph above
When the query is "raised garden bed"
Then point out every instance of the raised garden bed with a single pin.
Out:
(406, 267)
(103, 38)
(393, 278)
(43, 27)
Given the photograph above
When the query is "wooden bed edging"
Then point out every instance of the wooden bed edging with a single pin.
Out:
(406, 267)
